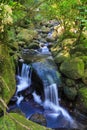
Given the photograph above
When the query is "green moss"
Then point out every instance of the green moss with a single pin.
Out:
(83, 96)
(7, 75)
(73, 68)
(17, 122)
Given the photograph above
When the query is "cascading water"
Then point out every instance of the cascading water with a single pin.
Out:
(55, 115)
(24, 80)
(53, 111)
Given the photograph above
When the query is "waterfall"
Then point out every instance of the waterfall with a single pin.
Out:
(51, 94)
(50, 91)
(24, 78)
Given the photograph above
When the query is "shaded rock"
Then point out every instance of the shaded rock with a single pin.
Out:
(68, 42)
(73, 68)
(81, 103)
(38, 118)
(50, 38)
(80, 48)
(14, 46)
(21, 43)
(45, 29)
(33, 46)
(70, 82)
(84, 79)
(70, 92)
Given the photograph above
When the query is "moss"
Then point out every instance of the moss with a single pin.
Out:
(17, 122)
(83, 96)
(73, 68)
(33, 46)
(7, 75)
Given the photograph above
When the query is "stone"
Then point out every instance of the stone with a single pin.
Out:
(70, 92)
(50, 38)
(33, 46)
(26, 35)
(73, 68)
(45, 29)
(61, 56)
(38, 118)
(84, 79)
(70, 82)
(81, 103)
(14, 46)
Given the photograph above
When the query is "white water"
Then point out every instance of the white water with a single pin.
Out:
(51, 101)
(24, 78)
(24, 81)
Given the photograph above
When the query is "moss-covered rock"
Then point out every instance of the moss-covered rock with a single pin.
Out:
(33, 46)
(84, 79)
(7, 75)
(70, 82)
(82, 100)
(14, 121)
(14, 46)
(70, 92)
(38, 118)
(26, 35)
(68, 42)
(60, 57)
(73, 68)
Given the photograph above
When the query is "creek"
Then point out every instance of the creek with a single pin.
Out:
(37, 89)
(34, 97)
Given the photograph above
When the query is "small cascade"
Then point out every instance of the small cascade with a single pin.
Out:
(50, 91)
(24, 81)
(51, 94)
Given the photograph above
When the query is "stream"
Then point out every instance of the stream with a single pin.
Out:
(41, 99)
(37, 90)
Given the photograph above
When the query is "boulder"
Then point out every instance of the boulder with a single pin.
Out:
(84, 79)
(33, 46)
(45, 29)
(82, 100)
(73, 68)
(61, 56)
(70, 92)
(26, 35)
(14, 46)
(50, 38)
(68, 42)
(70, 82)
(38, 118)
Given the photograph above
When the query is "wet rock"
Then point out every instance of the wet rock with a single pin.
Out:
(38, 118)
(73, 68)
(49, 38)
